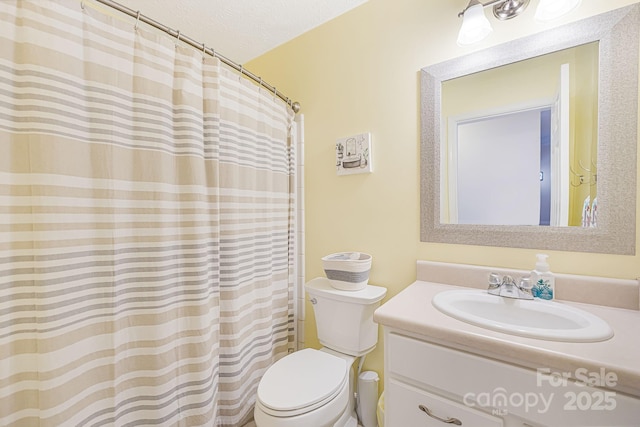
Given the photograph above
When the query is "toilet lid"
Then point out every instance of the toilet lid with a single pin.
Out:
(302, 379)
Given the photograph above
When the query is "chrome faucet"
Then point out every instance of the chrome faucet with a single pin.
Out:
(506, 286)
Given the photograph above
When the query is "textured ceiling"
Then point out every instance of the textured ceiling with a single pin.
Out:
(241, 29)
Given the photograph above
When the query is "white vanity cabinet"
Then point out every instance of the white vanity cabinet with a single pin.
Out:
(433, 385)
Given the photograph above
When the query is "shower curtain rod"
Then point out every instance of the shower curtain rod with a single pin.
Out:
(295, 106)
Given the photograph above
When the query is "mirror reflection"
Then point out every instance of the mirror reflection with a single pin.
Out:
(520, 142)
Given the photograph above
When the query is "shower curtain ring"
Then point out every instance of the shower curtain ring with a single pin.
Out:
(204, 52)
(82, 5)
(241, 72)
(135, 27)
(178, 37)
(275, 92)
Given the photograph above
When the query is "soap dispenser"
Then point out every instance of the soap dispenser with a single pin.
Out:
(543, 279)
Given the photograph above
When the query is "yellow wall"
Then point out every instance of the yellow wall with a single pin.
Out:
(360, 73)
(584, 108)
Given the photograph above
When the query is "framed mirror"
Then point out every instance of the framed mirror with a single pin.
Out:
(475, 164)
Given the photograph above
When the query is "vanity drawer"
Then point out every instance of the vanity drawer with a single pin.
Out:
(431, 365)
(407, 406)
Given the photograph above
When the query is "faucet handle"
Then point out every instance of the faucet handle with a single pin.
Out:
(494, 280)
(525, 288)
(494, 283)
(525, 283)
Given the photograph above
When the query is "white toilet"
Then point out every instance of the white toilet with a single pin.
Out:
(314, 388)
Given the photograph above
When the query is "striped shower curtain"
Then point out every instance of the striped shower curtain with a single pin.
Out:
(146, 226)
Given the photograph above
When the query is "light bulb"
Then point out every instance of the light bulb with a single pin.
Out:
(549, 10)
(475, 26)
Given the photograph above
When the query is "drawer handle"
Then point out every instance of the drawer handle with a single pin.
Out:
(453, 421)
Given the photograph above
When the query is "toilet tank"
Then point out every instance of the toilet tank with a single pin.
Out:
(344, 319)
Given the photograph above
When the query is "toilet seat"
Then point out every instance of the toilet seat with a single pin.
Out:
(301, 382)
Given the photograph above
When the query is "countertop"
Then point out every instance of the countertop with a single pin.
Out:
(411, 311)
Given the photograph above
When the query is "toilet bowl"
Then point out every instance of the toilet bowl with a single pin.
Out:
(307, 388)
(316, 387)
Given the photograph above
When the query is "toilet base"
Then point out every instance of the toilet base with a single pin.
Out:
(347, 420)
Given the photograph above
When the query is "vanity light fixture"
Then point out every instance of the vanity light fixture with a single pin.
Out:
(476, 26)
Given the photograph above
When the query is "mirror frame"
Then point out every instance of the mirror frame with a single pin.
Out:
(618, 35)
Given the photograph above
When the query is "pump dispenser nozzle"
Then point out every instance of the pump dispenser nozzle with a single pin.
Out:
(542, 265)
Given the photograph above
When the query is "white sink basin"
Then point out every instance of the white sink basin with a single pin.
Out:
(536, 318)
